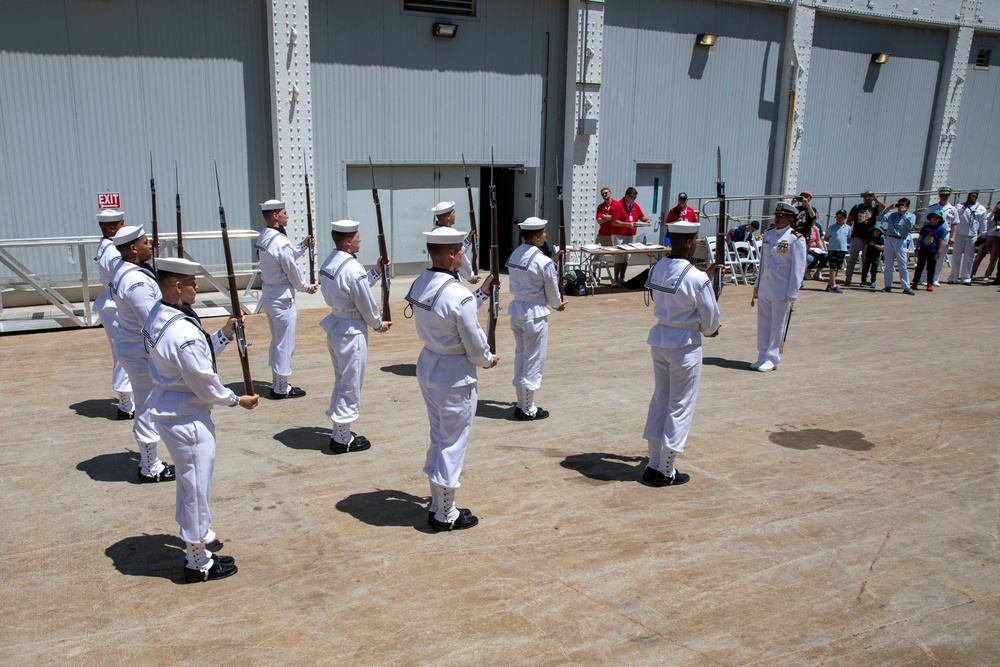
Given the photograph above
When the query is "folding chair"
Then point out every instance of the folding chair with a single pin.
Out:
(733, 268)
(750, 262)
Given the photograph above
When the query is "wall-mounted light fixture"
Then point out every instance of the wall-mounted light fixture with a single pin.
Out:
(707, 39)
(445, 30)
(880, 58)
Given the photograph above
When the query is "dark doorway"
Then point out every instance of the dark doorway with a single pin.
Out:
(503, 179)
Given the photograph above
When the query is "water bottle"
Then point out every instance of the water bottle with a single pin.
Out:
(643, 239)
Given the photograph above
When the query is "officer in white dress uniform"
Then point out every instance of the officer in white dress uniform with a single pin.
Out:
(187, 387)
(971, 218)
(135, 292)
(454, 345)
(534, 284)
(281, 279)
(107, 258)
(685, 307)
(444, 216)
(782, 261)
(346, 288)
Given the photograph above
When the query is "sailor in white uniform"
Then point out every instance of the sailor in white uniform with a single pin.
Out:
(187, 387)
(782, 261)
(135, 292)
(444, 216)
(107, 258)
(685, 308)
(454, 345)
(281, 279)
(346, 288)
(534, 284)
(970, 221)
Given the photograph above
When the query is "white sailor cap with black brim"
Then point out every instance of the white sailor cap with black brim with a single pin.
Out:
(443, 207)
(345, 226)
(127, 235)
(178, 265)
(683, 228)
(532, 224)
(110, 215)
(445, 236)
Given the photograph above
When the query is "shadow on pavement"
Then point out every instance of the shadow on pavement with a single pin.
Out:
(726, 363)
(606, 467)
(262, 389)
(306, 437)
(404, 370)
(495, 410)
(387, 508)
(149, 556)
(812, 438)
(97, 408)
(117, 467)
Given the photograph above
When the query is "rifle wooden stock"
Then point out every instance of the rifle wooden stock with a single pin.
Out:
(309, 224)
(234, 297)
(382, 249)
(472, 220)
(562, 236)
(152, 194)
(720, 234)
(491, 333)
(180, 226)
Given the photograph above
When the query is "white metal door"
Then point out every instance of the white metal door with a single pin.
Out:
(653, 184)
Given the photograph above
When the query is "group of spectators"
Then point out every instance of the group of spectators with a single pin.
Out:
(618, 221)
(872, 231)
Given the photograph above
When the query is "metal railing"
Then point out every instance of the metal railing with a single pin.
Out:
(80, 314)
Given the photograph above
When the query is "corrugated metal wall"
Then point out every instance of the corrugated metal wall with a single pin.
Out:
(87, 89)
(868, 126)
(665, 100)
(974, 162)
(384, 87)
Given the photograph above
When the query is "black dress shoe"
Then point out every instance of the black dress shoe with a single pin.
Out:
(654, 477)
(359, 444)
(461, 523)
(522, 416)
(430, 515)
(293, 392)
(166, 475)
(122, 415)
(219, 570)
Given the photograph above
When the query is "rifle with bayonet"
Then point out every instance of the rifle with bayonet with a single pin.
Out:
(562, 231)
(309, 223)
(234, 295)
(491, 333)
(383, 251)
(720, 235)
(152, 194)
(472, 220)
(180, 228)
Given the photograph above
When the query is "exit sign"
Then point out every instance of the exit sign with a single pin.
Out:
(109, 200)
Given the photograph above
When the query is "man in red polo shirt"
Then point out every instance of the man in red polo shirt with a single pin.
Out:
(682, 212)
(607, 211)
(623, 231)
